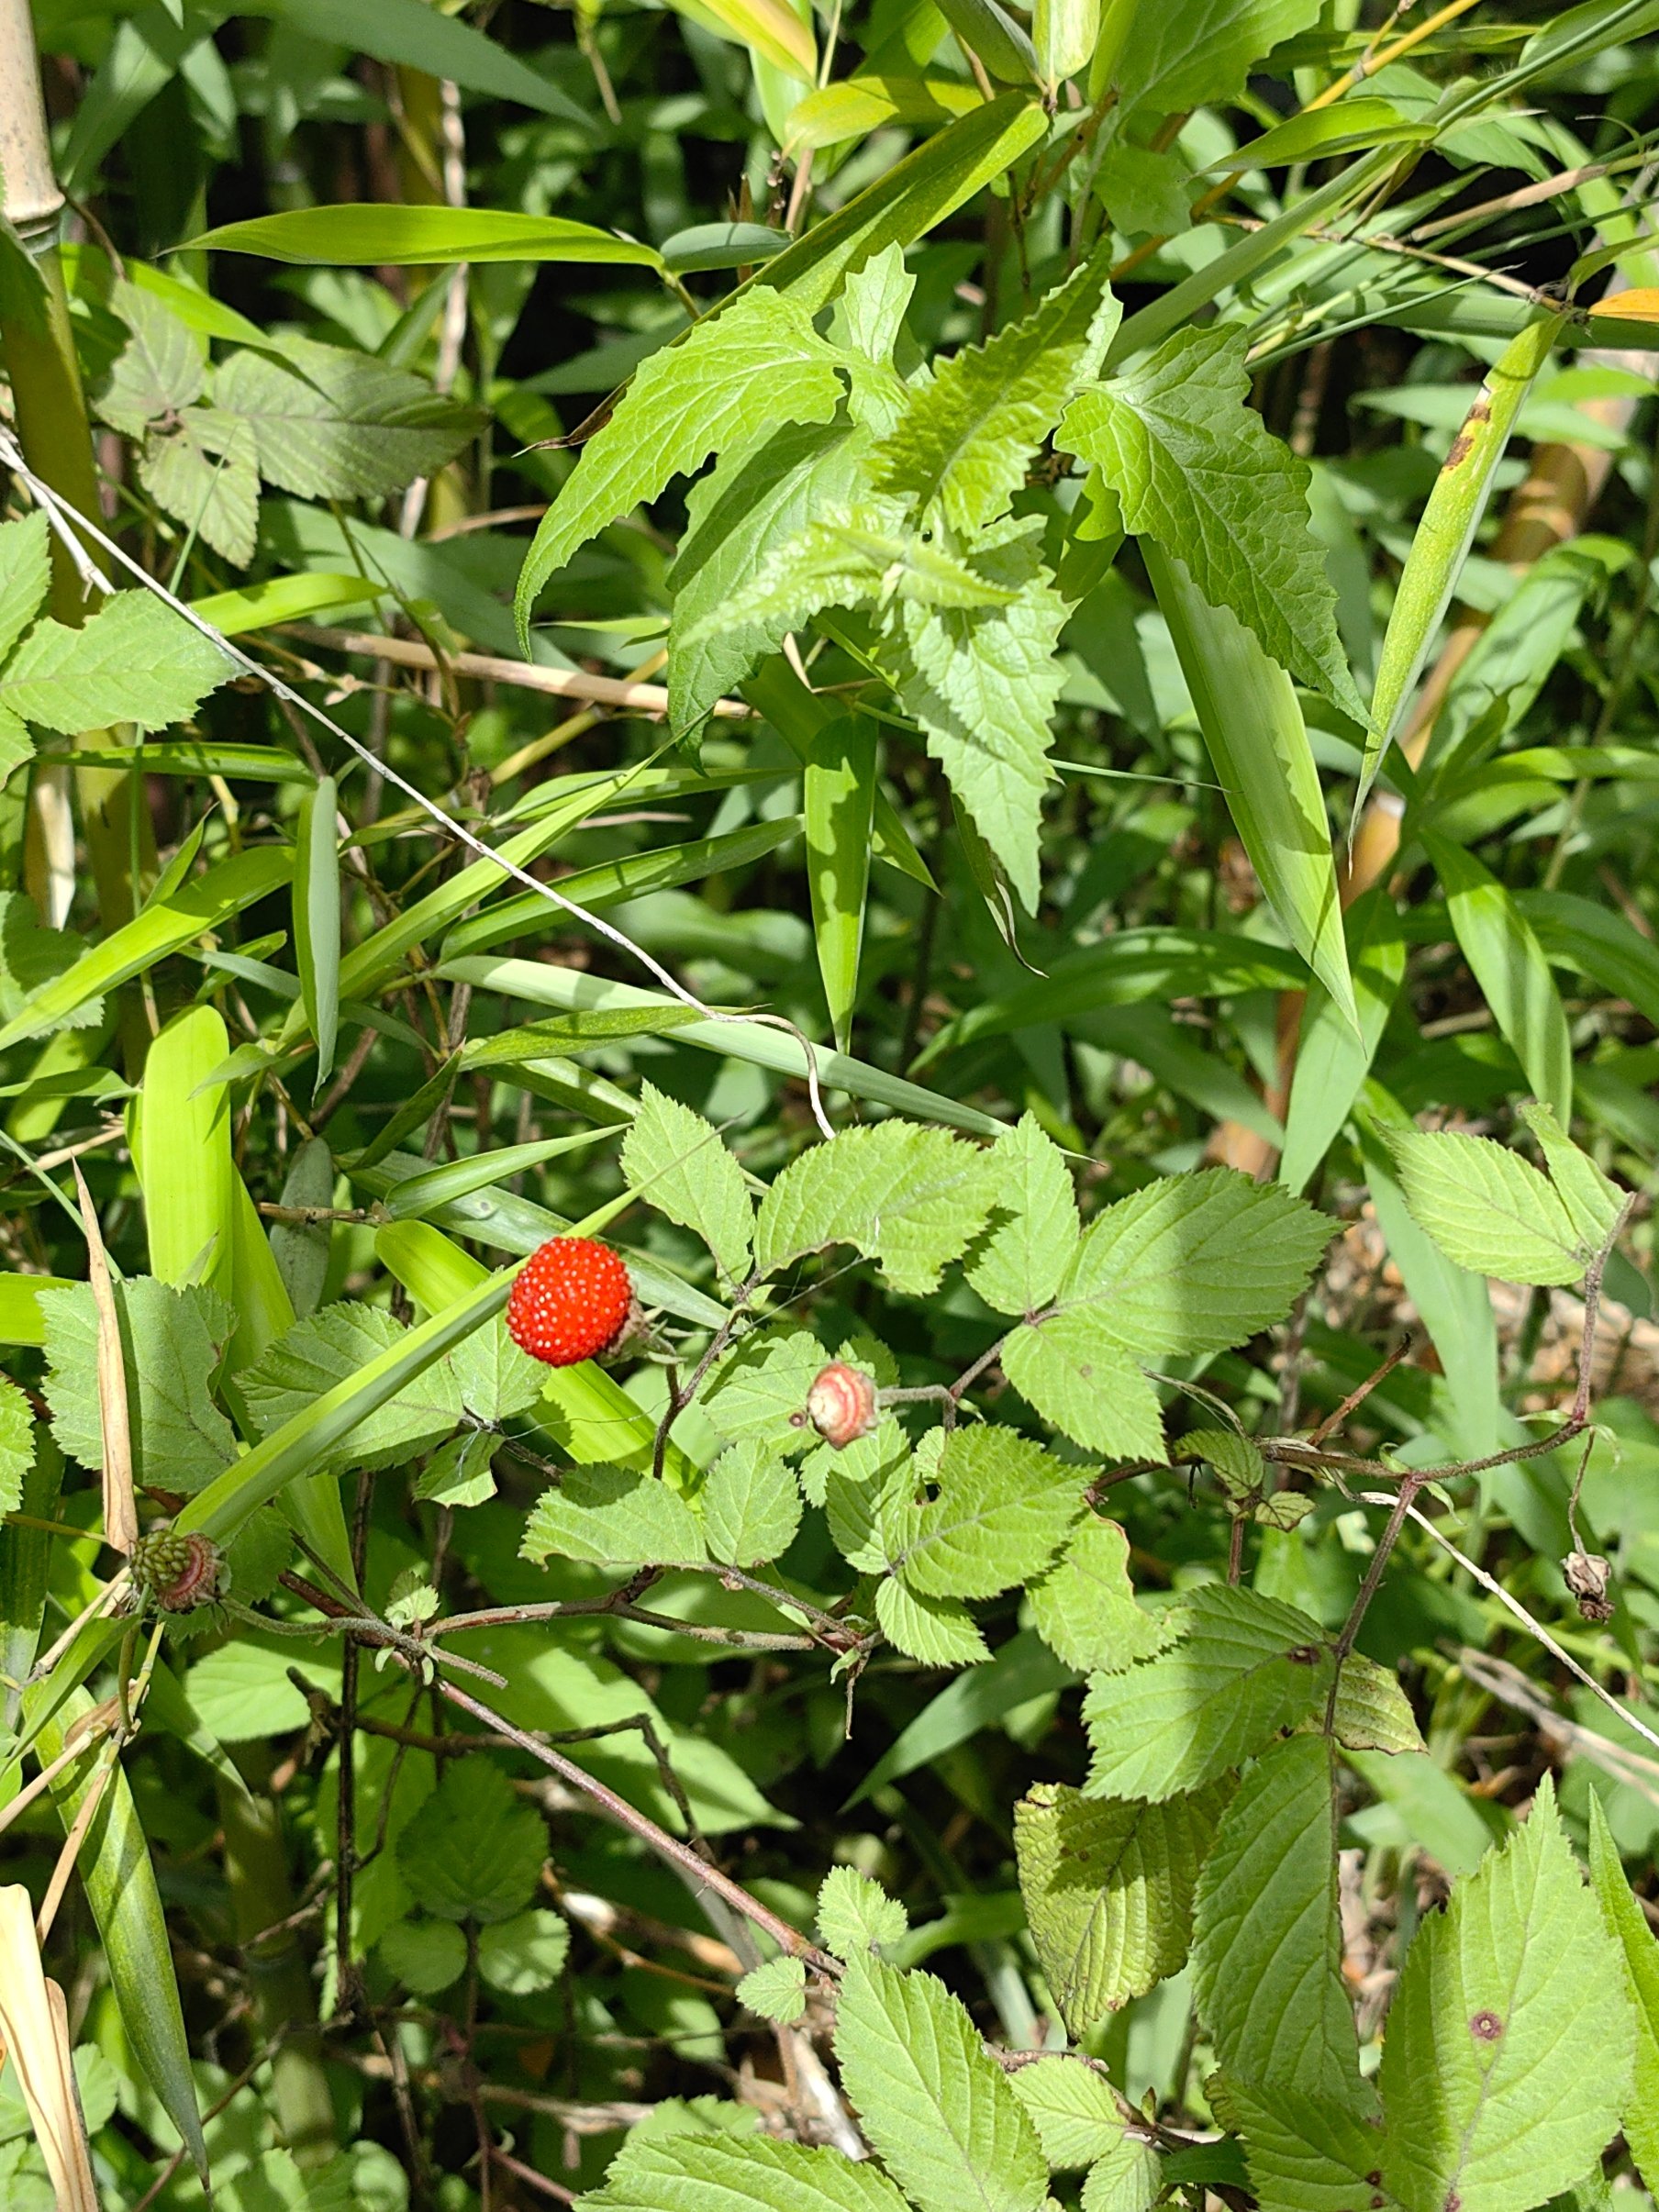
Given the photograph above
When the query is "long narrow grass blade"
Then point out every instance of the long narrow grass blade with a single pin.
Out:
(1444, 536)
(120, 1885)
(541, 985)
(1252, 726)
(317, 920)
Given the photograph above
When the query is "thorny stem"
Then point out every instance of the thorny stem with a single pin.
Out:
(681, 1856)
(1418, 1479)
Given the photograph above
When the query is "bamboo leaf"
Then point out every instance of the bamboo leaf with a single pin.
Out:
(1252, 726)
(163, 927)
(380, 235)
(120, 1880)
(1444, 536)
(317, 920)
(1509, 965)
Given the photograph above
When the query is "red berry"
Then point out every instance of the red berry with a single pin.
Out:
(841, 1404)
(573, 1298)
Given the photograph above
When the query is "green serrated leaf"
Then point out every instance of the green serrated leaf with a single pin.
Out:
(331, 424)
(933, 2102)
(1486, 1207)
(935, 1631)
(758, 360)
(1195, 467)
(1018, 1263)
(1187, 55)
(203, 470)
(758, 1392)
(983, 683)
(1072, 2108)
(1073, 1369)
(683, 2172)
(32, 956)
(760, 494)
(16, 1445)
(1628, 1926)
(855, 1914)
(474, 1850)
(909, 1198)
(1129, 2179)
(424, 1955)
(1593, 1204)
(776, 1990)
(1373, 1713)
(1244, 1667)
(966, 435)
(1195, 1263)
(524, 1955)
(328, 1349)
(1304, 2155)
(1267, 1943)
(25, 576)
(132, 661)
(1511, 2037)
(691, 1176)
(1084, 1607)
(752, 1506)
(162, 368)
(613, 1516)
(171, 1340)
(1003, 1508)
(1108, 1891)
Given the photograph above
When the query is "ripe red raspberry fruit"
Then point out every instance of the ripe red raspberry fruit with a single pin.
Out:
(841, 1404)
(573, 1299)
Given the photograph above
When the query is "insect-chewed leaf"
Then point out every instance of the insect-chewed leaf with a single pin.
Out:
(1003, 1508)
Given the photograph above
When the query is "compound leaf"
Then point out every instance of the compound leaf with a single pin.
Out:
(1195, 467)
(1244, 1668)
(907, 1197)
(676, 1160)
(1084, 1607)
(1003, 1508)
(935, 2104)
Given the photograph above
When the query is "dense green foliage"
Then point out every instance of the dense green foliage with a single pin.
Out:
(981, 682)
